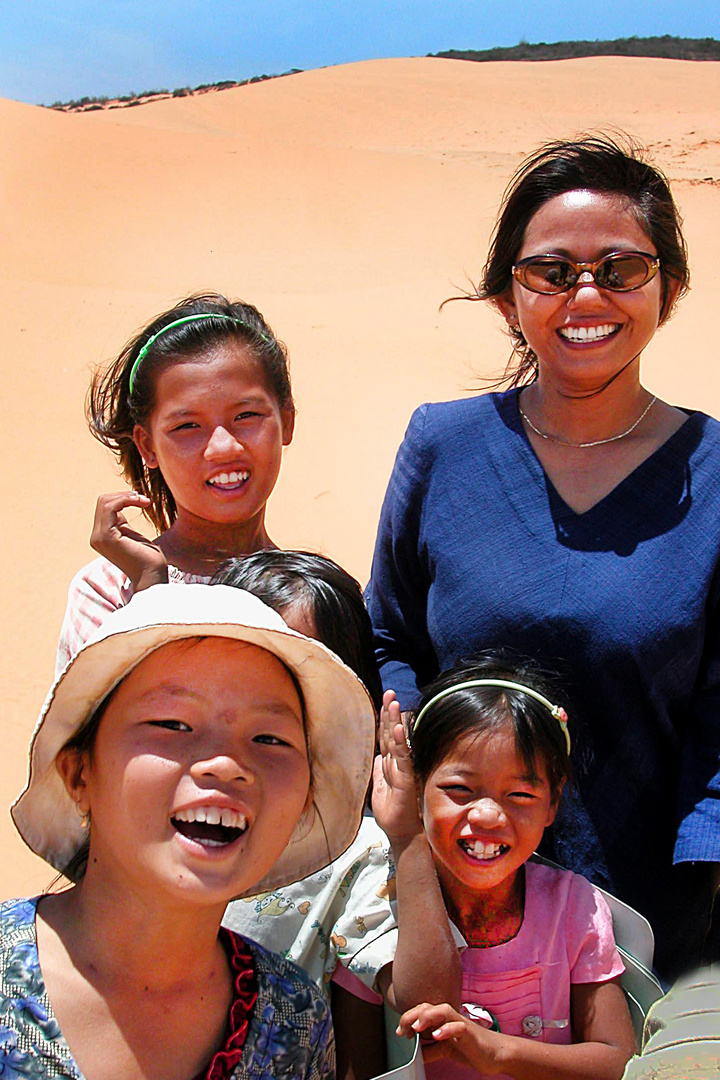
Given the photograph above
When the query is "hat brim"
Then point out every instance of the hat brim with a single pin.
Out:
(339, 718)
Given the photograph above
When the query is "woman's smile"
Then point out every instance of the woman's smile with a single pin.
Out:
(583, 334)
(588, 334)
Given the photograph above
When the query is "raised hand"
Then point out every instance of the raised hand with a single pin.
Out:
(394, 800)
(141, 560)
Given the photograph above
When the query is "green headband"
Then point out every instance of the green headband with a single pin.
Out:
(180, 322)
(555, 710)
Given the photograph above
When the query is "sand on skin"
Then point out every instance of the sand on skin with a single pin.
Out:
(347, 203)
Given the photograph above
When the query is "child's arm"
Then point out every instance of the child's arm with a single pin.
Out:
(601, 1026)
(426, 966)
(141, 560)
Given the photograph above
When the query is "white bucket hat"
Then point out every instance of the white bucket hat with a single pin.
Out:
(339, 719)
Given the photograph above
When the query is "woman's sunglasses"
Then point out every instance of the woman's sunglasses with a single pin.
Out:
(621, 271)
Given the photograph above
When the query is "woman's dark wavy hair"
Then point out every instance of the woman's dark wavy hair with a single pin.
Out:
(328, 593)
(600, 163)
(112, 411)
(479, 709)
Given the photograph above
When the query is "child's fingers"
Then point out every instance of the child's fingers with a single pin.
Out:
(398, 739)
(108, 512)
(388, 698)
(453, 1030)
(399, 754)
(384, 723)
(389, 714)
(117, 500)
(425, 1016)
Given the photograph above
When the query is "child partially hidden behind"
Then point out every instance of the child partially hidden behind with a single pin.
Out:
(337, 922)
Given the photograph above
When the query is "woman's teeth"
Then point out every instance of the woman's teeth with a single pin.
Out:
(229, 478)
(480, 850)
(588, 333)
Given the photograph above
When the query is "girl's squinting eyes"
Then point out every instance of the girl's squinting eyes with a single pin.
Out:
(271, 740)
(170, 725)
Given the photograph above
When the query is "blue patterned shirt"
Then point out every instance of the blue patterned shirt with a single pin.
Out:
(289, 1037)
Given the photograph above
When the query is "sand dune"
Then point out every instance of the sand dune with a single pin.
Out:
(347, 203)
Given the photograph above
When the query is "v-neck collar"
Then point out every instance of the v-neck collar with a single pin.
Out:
(623, 512)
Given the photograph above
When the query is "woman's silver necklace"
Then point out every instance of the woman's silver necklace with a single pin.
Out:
(585, 445)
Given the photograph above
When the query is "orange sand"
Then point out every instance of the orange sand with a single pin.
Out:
(347, 203)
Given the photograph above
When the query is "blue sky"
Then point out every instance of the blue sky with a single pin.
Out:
(61, 49)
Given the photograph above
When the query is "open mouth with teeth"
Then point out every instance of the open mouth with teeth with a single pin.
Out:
(580, 335)
(210, 826)
(229, 481)
(480, 851)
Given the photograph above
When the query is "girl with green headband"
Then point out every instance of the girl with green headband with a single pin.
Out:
(197, 409)
(483, 763)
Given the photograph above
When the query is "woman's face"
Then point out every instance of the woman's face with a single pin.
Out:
(586, 337)
(198, 774)
(216, 434)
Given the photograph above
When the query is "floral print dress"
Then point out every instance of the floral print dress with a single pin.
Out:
(289, 1034)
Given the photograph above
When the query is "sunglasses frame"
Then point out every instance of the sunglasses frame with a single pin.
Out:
(651, 261)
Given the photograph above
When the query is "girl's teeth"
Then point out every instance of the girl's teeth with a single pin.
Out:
(212, 815)
(483, 851)
(229, 478)
(587, 333)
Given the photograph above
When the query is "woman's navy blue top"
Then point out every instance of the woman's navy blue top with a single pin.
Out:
(477, 550)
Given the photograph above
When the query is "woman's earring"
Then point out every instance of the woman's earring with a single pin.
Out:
(83, 815)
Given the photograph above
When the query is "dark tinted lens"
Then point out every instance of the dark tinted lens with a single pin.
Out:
(548, 275)
(622, 272)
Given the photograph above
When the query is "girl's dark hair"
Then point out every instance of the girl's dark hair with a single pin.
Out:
(593, 163)
(328, 593)
(477, 709)
(112, 411)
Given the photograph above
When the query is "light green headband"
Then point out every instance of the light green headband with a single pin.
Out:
(555, 710)
(180, 322)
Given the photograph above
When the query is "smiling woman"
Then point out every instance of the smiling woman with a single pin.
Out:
(574, 517)
(197, 408)
(211, 769)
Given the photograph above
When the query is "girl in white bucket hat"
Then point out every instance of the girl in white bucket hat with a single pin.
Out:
(187, 755)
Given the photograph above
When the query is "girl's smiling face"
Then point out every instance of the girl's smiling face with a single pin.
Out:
(198, 773)
(586, 336)
(216, 434)
(484, 813)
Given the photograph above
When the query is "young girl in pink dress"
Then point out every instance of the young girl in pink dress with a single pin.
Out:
(540, 994)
